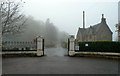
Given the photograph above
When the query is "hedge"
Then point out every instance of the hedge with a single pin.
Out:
(100, 46)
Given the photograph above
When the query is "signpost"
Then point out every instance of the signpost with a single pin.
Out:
(77, 48)
(86, 44)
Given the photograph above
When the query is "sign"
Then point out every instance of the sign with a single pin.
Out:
(76, 47)
(86, 44)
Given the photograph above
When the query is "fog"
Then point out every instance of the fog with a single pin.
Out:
(33, 28)
(56, 19)
(67, 14)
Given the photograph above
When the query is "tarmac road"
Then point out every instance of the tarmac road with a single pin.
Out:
(55, 62)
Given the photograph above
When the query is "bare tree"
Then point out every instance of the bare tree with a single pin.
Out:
(12, 19)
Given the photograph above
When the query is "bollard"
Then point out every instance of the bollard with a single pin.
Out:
(39, 46)
(71, 45)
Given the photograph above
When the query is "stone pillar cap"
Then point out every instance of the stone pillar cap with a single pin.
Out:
(39, 36)
(71, 36)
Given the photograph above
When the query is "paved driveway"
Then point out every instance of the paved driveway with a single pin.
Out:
(56, 63)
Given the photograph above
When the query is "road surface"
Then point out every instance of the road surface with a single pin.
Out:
(56, 62)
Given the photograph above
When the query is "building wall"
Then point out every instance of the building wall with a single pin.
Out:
(104, 34)
(79, 36)
(90, 35)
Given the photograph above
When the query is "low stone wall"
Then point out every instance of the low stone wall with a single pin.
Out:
(39, 51)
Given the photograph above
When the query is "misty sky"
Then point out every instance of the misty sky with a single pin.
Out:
(67, 14)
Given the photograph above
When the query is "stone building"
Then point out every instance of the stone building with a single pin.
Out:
(98, 32)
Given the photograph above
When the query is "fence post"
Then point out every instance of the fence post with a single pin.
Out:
(71, 45)
(39, 46)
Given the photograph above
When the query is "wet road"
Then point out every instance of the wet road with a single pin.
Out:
(59, 51)
(56, 63)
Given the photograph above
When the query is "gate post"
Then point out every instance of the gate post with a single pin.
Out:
(71, 45)
(40, 46)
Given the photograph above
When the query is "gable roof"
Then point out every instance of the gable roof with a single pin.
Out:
(84, 32)
(95, 28)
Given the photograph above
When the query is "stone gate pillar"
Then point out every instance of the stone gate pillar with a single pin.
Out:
(71, 45)
(39, 46)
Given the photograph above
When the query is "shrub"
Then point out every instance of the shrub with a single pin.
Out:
(100, 46)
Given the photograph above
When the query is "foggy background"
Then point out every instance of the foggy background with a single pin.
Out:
(55, 20)
(67, 14)
(34, 28)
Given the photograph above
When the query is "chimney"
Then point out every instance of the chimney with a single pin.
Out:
(103, 20)
(84, 19)
(102, 15)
